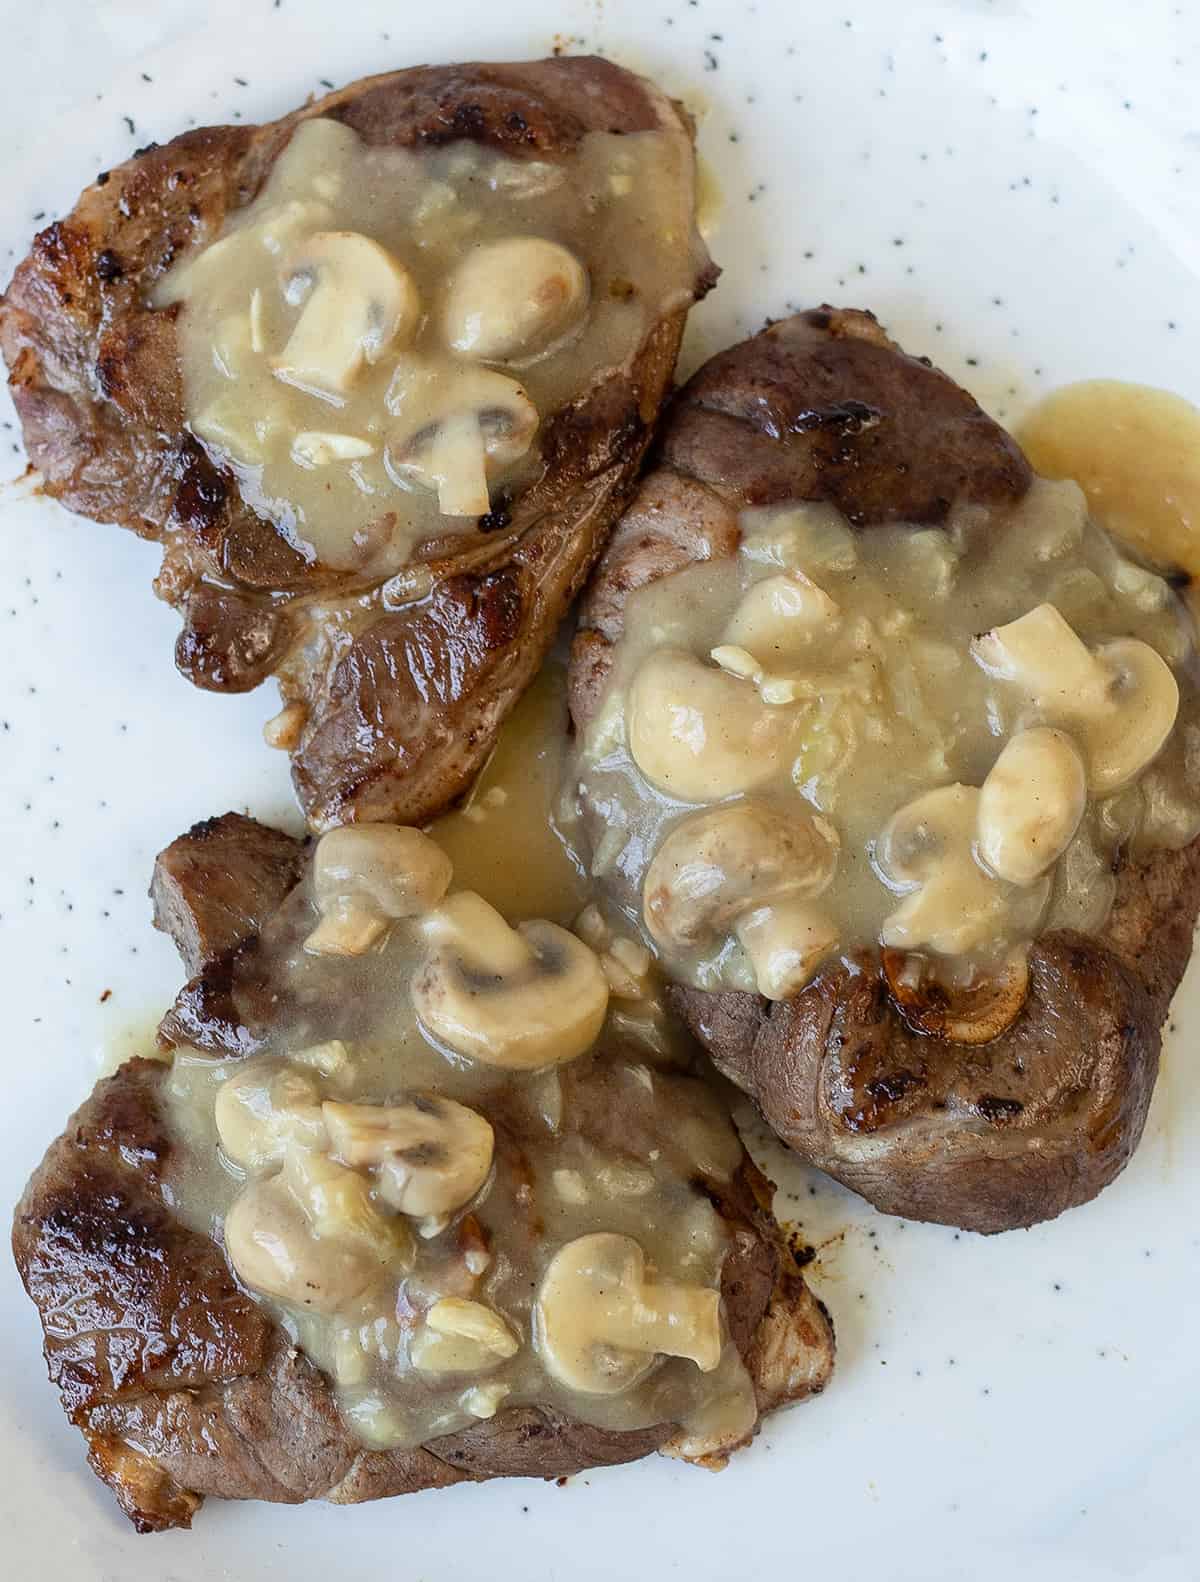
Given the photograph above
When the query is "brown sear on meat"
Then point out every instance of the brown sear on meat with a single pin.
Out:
(212, 887)
(184, 1386)
(212, 884)
(989, 1136)
(401, 707)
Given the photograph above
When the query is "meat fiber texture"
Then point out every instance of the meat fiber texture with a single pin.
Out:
(182, 1384)
(400, 714)
(825, 407)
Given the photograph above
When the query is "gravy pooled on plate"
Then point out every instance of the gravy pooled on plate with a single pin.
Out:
(371, 343)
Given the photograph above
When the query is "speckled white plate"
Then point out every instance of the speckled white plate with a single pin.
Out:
(1015, 189)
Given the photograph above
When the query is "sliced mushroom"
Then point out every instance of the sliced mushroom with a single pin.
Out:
(274, 1248)
(601, 1325)
(698, 733)
(974, 1013)
(1031, 804)
(514, 299)
(462, 1336)
(717, 865)
(750, 869)
(781, 616)
(521, 998)
(227, 425)
(337, 1203)
(953, 905)
(365, 876)
(1120, 701)
(786, 943)
(316, 448)
(1144, 705)
(1042, 654)
(265, 1108)
(432, 1154)
(471, 426)
(361, 302)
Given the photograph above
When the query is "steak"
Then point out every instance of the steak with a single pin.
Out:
(825, 407)
(212, 885)
(400, 705)
(183, 1385)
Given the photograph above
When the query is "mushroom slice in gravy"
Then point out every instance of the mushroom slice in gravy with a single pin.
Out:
(917, 739)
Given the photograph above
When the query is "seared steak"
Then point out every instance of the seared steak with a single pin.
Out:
(184, 1386)
(212, 884)
(825, 407)
(400, 705)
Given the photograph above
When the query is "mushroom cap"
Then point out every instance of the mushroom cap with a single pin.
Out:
(1144, 706)
(520, 998)
(263, 1109)
(432, 1154)
(1031, 804)
(698, 733)
(273, 1249)
(715, 865)
(514, 299)
(779, 617)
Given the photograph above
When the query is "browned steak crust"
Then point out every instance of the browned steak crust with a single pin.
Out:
(183, 1386)
(402, 710)
(213, 884)
(825, 407)
(822, 406)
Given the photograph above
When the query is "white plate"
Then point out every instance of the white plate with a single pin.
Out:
(1015, 189)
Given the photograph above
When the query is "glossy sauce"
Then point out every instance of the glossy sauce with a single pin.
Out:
(511, 843)
(889, 705)
(1135, 452)
(621, 205)
(551, 1182)
(504, 841)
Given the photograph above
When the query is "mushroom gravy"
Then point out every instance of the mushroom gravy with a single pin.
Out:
(373, 341)
(787, 762)
(325, 1162)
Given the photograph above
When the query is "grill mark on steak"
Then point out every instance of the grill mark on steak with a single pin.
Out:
(985, 1137)
(96, 380)
(183, 1386)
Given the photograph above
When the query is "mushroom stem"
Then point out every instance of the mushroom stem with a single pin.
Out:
(786, 943)
(601, 1323)
(674, 1320)
(458, 461)
(345, 930)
